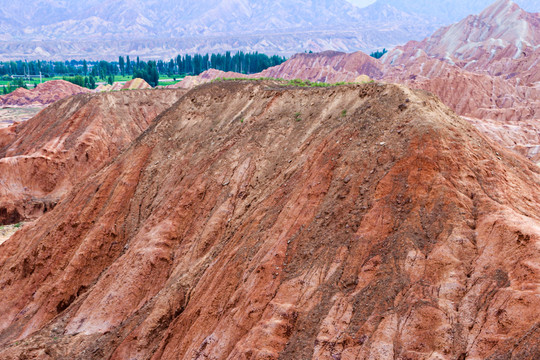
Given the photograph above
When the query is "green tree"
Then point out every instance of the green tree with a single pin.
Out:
(91, 82)
(378, 54)
(121, 64)
(77, 80)
(153, 74)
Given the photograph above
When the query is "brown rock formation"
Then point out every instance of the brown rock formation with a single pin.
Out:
(235, 228)
(485, 66)
(42, 158)
(43, 94)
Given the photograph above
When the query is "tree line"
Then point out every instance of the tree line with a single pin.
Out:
(378, 54)
(87, 73)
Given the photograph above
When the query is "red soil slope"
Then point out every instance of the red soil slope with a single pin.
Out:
(43, 94)
(236, 228)
(42, 158)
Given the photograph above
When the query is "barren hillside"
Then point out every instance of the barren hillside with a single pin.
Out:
(252, 221)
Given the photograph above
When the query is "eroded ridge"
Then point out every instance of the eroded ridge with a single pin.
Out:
(255, 222)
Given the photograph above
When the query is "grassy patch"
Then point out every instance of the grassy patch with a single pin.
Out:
(167, 83)
(246, 79)
(117, 78)
(294, 82)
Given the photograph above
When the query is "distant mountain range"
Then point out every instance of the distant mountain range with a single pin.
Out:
(445, 12)
(61, 29)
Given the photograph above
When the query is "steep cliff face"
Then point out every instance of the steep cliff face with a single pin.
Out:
(252, 221)
(42, 158)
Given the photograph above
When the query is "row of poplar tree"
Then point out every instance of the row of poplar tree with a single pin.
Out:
(86, 73)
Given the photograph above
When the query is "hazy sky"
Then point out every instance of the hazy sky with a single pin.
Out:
(361, 3)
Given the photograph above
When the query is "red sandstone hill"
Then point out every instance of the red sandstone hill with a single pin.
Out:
(252, 221)
(329, 66)
(503, 40)
(43, 94)
(42, 158)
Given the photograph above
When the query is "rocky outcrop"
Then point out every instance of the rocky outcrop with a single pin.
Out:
(249, 221)
(42, 158)
(43, 94)
(503, 111)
